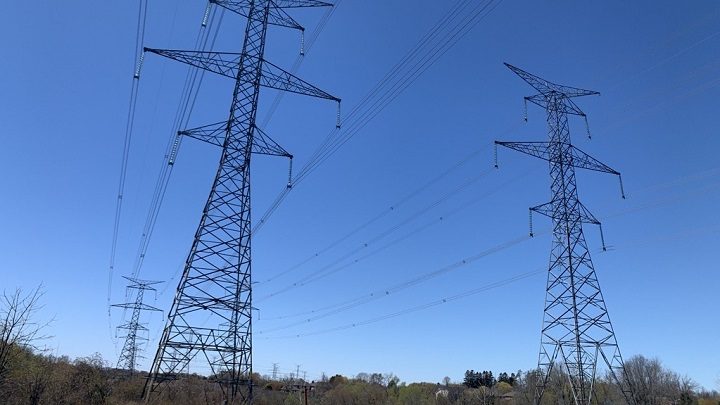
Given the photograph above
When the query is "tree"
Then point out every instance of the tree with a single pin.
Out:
(509, 379)
(18, 328)
(472, 379)
(653, 384)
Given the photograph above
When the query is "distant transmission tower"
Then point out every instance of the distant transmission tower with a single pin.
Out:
(576, 329)
(211, 315)
(131, 348)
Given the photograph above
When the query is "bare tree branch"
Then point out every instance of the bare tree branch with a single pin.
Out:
(18, 327)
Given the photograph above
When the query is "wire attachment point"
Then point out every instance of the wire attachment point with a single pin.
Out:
(337, 122)
(174, 149)
(302, 42)
(289, 183)
(532, 235)
(525, 114)
(496, 159)
(622, 189)
(206, 15)
(139, 65)
(587, 127)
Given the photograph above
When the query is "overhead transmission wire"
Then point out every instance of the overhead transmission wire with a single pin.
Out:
(346, 305)
(185, 107)
(392, 208)
(396, 314)
(518, 277)
(392, 85)
(332, 309)
(352, 325)
(419, 66)
(189, 94)
(397, 226)
(129, 124)
(336, 265)
(417, 308)
(387, 77)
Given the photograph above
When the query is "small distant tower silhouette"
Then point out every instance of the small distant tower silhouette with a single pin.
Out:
(576, 330)
(131, 348)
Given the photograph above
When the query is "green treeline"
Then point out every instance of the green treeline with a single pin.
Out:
(27, 376)
(30, 378)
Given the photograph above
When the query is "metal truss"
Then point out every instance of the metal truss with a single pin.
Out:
(576, 330)
(131, 348)
(211, 316)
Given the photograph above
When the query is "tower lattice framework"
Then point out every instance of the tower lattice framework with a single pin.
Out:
(211, 315)
(576, 329)
(131, 348)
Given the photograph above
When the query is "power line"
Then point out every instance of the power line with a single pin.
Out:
(191, 89)
(130, 120)
(381, 293)
(465, 294)
(383, 213)
(395, 288)
(305, 48)
(338, 265)
(694, 232)
(392, 86)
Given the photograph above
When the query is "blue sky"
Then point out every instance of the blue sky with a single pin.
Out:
(63, 103)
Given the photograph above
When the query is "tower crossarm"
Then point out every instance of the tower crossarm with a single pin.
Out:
(549, 210)
(546, 87)
(564, 105)
(215, 133)
(545, 151)
(227, 63)
(132, 326)
(140, 306)
(276, 16)
(301, 3)
(137, 283)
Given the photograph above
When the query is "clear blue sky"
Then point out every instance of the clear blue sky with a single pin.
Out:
(64, 90)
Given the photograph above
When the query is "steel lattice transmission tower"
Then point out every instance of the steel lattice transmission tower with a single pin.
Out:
(576, 330)
(211, 315)
(130, 351)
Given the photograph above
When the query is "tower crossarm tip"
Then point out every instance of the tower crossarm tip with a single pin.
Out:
(275, 77)
(584, 161)
(213, 134)
(222, 63)
(546, 87)
(264, 145)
